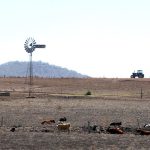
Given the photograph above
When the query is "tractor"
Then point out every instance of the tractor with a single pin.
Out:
(138, 74)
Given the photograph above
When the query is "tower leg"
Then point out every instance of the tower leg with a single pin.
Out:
(30, 77)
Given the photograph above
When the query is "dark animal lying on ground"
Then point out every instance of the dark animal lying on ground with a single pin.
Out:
(116, 124)
(12, 129)
(115, 130)
(48, 122)
(143, 131)
(63, 119)
(45, 130)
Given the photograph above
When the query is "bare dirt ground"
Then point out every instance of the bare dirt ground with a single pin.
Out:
(112, 100)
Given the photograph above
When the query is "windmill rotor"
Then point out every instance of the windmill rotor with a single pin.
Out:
(30, 45)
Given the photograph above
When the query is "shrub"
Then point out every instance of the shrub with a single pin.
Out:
(88, 93)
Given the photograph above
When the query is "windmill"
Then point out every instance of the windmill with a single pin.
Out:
(30, 45)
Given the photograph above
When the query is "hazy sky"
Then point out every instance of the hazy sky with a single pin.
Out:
(100, 38)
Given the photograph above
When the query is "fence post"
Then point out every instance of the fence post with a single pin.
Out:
(2, 119)
(88, 126)
(141, 93)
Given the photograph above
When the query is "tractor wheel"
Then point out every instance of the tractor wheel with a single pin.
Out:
(141, 76)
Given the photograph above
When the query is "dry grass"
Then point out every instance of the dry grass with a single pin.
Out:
(111, 100)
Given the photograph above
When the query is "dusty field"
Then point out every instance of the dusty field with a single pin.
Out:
(111, 100)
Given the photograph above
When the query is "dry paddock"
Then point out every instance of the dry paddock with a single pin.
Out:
(111, 100)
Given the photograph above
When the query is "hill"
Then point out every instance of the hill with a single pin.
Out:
(40, 69)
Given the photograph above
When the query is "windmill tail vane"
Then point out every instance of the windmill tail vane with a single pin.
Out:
(39, 46)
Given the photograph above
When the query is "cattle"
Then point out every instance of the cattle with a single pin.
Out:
(143, 132)
(12, 129)
(63, 126)
(147, 125)
(116, 124)
(115, 130)
(47, 122)
(63, 119)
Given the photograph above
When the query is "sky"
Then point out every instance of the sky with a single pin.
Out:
(99, 38)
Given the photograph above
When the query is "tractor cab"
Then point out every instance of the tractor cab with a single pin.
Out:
(140, 71)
